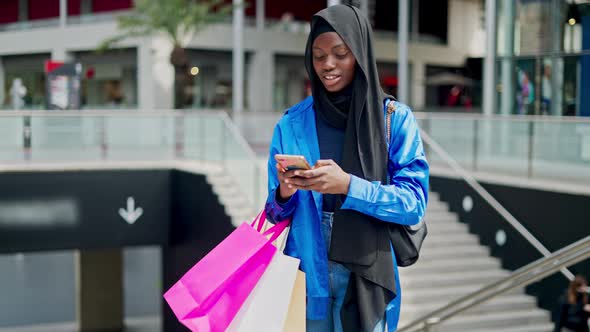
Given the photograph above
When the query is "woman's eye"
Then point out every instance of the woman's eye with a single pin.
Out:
(341, 56)
(319, 57)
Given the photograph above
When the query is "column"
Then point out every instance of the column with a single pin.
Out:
(261, 78)
(238, 59)
(23, 10)
(260, 15)
(415, 19)
(418, 86)
(145, 76)
(63, 13)
(489, 90)
(2, 79)
(508, 93)
(99, 290)
(402, 43)
(585, 68)
(555, 108)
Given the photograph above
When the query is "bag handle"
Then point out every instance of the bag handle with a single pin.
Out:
(388, 116)
(277, 230)
(258, 222)
(390, 110)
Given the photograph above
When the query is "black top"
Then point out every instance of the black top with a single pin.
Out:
(331, 141)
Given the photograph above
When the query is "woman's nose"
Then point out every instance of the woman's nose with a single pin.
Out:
(329, 64)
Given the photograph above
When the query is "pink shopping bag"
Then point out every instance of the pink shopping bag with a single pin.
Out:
(210, 294)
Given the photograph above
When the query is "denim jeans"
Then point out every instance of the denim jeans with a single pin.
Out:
(338, 277)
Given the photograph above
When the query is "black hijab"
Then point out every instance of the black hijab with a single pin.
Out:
(359, 242)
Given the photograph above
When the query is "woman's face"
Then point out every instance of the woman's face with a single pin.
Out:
(333, 61)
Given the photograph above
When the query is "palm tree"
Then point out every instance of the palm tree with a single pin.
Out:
(178, 20)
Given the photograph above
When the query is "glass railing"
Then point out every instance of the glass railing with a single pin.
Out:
(90, 136)
(548, 148)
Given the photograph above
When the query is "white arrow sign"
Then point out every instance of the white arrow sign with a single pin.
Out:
(131, 214)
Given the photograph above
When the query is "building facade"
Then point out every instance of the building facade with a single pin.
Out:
(543, 57)
(137, 74)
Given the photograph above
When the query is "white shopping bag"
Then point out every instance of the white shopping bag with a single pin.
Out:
(267, 306)
(296, 319)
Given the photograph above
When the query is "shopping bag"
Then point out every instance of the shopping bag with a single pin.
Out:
(295, 321)
(209, 295)
(266, 308)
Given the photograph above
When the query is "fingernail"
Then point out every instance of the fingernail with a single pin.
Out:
(290, 186)
(286, 181)
(296, 173)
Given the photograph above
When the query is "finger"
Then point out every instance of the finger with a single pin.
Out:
(280, 168)
(292, 186)
(319, 187)
(324, 162)
(290, 174)
(311, 173)
(304, 182)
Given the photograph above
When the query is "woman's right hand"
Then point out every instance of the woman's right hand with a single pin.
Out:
(284, 188)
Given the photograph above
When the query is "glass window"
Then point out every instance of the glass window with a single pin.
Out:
(109, 80)
(29, 68)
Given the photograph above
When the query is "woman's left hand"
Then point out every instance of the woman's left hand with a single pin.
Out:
(326, 177)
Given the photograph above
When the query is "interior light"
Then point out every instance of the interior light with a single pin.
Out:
(195, 71)
(572, 21)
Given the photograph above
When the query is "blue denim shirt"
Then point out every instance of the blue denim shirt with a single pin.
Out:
(403, 201)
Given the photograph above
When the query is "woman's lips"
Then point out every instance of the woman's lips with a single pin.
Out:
(331, 80)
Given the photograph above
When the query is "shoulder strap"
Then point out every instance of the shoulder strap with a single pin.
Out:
(388, 116)
(390, 110)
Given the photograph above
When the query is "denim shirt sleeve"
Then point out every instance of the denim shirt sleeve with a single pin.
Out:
(277, 211)
(403, 201)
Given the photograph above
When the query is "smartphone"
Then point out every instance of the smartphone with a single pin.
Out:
(292, 162)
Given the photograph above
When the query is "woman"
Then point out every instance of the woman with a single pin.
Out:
(360, 183)
(574, 310)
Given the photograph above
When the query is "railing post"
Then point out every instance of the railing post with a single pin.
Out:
(222, 139)
(103, 137)
(202, 144)
(530, 149)
(179, 135)
(427, 130)
(475, 142)
(27, 134)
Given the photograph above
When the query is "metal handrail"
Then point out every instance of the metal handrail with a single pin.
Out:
(490, 199)
(537, 270)
(500, 117)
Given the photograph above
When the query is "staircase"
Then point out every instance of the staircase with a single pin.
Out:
(237, 204)
(453, 264)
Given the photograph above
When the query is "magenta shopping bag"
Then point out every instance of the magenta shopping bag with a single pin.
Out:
(210, 294)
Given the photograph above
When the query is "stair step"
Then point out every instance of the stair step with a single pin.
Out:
(435, 242)
(503, 303)
(434, 216)
(433, 196)
(446, 227)
(437, 206)
(540, 327)
(222, 180)
(498, 321)
(454, 237)
(452, 251)
(454, 265)
(442, 295)
(453, 278)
